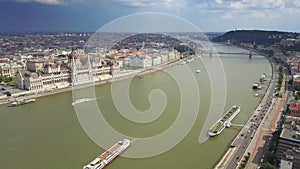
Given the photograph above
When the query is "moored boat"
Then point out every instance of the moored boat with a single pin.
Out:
(224, 121)
(256, 85)
(190, 60)
(22, 101)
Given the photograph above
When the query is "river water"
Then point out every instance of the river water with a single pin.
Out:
(48, 135)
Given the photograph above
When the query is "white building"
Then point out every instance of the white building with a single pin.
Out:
(140, 61)
(5, 69)
(156, 60)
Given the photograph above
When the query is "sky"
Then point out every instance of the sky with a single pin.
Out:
(91, 15)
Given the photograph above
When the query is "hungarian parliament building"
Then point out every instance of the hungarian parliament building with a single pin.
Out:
(79, 68)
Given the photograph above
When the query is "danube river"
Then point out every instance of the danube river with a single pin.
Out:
(48, 135)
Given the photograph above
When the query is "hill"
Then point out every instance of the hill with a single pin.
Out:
(259, 37)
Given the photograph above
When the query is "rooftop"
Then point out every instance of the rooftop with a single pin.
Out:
(286, 164)
(294, 105)
(291, 128)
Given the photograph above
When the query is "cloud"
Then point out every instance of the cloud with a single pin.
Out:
(136, 3)
(244, 4)
(170, 4)
(291, 12)
(237, 5)
(48, 2)
(208, 14)
(267, 9)
(220, 2)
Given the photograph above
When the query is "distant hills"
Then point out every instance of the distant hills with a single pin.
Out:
(152, 40)
(259, 37)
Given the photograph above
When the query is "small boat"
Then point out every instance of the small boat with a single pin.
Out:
(21, 102)
(198, 71)
(256, 94)
(256, 85)
(82, 101)
(190, 60)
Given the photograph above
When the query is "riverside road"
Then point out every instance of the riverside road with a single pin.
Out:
(254, 124)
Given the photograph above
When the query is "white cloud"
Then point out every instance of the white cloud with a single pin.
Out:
(258, 14)
(250, 9)
(220, 2)
(170, 4)
(291, 11)
(297, 3)
(228, 15)
(49, 2)
(253, 14)
(293, 3)
(137, 3)
(257, 4)
(237, 5)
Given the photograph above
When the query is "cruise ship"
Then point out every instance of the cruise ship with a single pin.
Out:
(21, 102)
(109, 155)
(225, 121)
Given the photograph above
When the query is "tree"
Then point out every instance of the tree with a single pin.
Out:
(280, 68)
(6, 79)
(271, 158)
(290, 82)
(297, 95)
(267, 166)
(287, 108)
(270, 53)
